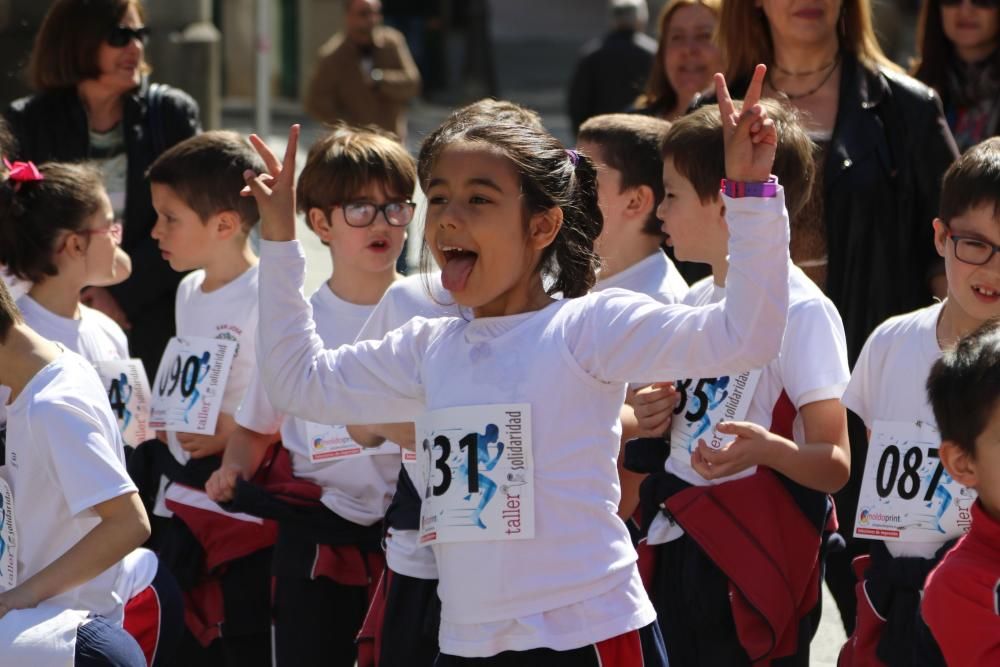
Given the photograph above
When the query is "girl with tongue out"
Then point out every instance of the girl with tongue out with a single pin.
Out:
(546, 569)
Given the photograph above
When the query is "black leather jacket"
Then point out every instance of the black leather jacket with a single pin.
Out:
(52, 126)
(882, 179)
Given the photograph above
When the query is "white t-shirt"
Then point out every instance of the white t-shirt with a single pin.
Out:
(64, 455)
(357, 488)
(576, 582)
(812, 366)
(228, 313)
(405, 299)
(95, 336)
(889, 384)
(656, 276)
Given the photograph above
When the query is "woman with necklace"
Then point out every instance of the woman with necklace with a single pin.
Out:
(884, 144)
(959, 57)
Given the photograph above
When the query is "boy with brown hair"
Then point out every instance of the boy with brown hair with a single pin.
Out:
(766, 444)
(203, 226)
(355, 191)
(911, 510)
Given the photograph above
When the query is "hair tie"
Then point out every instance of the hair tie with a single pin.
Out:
(22, 172)
(574, 157)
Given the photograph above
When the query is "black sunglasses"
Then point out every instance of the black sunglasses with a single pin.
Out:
(985, 4)
(121, 35)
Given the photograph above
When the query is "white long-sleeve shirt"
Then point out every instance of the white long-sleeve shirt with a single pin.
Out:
(571, 362)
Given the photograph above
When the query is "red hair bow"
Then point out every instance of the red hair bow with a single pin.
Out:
(23, 172)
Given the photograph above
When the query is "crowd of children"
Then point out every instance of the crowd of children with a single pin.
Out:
(548, 451)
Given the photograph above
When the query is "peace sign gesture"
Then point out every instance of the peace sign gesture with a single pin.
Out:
(275, 190)
(750, 136)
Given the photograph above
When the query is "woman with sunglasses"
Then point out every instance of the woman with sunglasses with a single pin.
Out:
(959, 42)
(93, 101)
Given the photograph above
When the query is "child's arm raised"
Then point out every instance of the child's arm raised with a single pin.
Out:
(370, 382)
(634, 340)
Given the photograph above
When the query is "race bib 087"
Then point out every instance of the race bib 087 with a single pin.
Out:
(190, 383)
(478, 474)
(128, 391)
(906, 494)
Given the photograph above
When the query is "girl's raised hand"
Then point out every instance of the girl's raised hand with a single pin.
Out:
(275, 190)
(750, 136)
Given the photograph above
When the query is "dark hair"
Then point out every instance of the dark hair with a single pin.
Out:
(8, 146)
(33, 214)
(745, 37)
(696, 146)
(972, 180)
(9, 313)
(631, 145)
(206, 172)
(659, 94)
(935, 51)
(65, 50)
(549, 177)
(346, 160)
(964, 385)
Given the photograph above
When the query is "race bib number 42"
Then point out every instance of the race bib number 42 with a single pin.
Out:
(128, 390)
(906, 494)
(8, 539)
(189, 386)
(478, 474)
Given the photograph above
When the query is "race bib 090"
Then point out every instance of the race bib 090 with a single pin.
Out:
(703, 404)
(478, 474)
(906, 494)
(128, 391)
(190, 383)
(8, 538)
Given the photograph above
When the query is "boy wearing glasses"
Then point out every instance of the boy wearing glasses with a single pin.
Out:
(355, 192)
(908, 503)
(203, 226)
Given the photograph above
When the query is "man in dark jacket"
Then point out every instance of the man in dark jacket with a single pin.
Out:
(612, 70)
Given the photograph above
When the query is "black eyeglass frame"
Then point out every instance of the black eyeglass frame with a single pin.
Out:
(376, 209)
(955, 238)
(121, 35)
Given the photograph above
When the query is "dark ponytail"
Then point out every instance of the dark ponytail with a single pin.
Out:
(550, 177)
(33, 214)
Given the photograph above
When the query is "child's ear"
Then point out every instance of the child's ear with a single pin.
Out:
(641, 202)
(717, 204)
(75, 246)
(227, 223)
(940, 236)
(544, 227)
(959, 463)
(320, 224)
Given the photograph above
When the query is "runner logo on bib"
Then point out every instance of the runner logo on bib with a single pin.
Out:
(478, 474)
(128, 391)
(906, 494)
(328, 443)
(189, 386)
(8, 538)
(704, 403)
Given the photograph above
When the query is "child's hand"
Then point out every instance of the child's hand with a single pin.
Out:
(750, 136)
(275, 190)
(200, 446)
(18, 597)
(753, 446)
(654, 409)
(221, 485)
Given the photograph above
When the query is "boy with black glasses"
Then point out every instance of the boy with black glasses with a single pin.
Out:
(908, 503)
